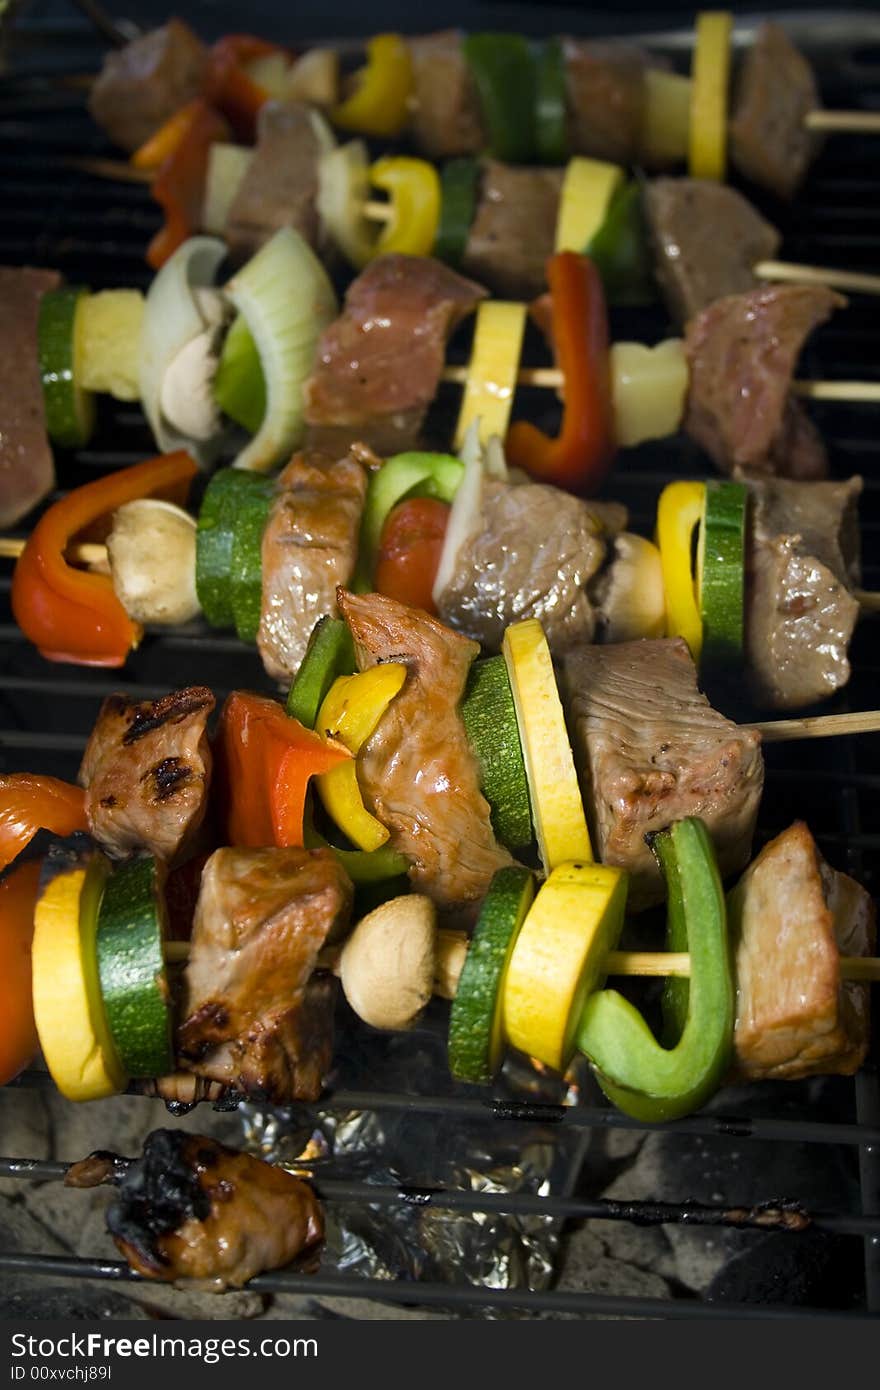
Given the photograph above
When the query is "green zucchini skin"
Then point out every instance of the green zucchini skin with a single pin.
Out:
(70, 411)
(722, 575)
(131, 967)
(215, 538)
(489, 718)
(246, 561)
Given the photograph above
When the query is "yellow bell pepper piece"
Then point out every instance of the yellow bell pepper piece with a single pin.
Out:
(379, 104)
(492, 373)
(349, 714)
(413, 188)
(666, 118)
(68, 1007)
(707, 148)
(557, 805)
(587, 189)
(679, 511)
(559, 958)
(648, 389)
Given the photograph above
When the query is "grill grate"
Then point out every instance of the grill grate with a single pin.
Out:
(95, 233)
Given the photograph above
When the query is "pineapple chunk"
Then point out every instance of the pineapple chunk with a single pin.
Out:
(108, 342)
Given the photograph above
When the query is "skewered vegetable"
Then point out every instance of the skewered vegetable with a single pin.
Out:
(130, 937)
(152, 553)
(70, 409)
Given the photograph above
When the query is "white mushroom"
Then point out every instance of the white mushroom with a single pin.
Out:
(186, 398)
(387, 964)
(152, 553)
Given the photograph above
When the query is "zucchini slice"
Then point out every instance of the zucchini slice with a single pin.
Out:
(70, 410)
(246, 561)
(330, 654)
(131, 968)
(215, 536)
(721, 573)
(476, 1033)
(489, 717)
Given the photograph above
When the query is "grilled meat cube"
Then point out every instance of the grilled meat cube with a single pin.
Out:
(145, 82)
(803, 562)
(309, 546)
(417, 773)
(146, 770)
(280, 187)
(191, 1208)
(742, 352)
(379, 363)
(791, 918)
(774, 91)
(27, 469)
(252, 1015)
(446, 119)
(514, 229)
(534, 554)
(706, 238)
(650, 750)
(605, 89)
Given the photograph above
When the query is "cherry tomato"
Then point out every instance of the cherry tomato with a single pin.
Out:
(18, 1032)
(29, 803)
(409, 551)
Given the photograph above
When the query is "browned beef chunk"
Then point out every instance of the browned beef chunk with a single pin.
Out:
(803, 560)
(27, 470)
(534, 553)
(146, 771)
(280, 187)
(742, 352)
(605, 85)
(706, 239)
(379, 363)
(774, 91)
(514, 230)
(252, 1014)
(791, 918)
(446, 119)
(310, 546)
(190, 1208)
(650, 750)
(417, 773)
(145, 82)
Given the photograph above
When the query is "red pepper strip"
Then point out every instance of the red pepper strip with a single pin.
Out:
(29, 803)
(71, 614)
(265, 760)
(580, 457)
(228, 86)
(18, 1036)
(179, 186)
(153, 153)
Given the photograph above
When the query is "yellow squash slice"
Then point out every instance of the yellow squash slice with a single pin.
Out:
(587, 189)
(707, 150)
(492, 373)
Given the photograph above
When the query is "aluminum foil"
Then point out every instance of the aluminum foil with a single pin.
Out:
(425, 1149)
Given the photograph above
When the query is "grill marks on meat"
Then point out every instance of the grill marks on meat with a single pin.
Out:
(706, 239)
(380, 362)
(417, 773)
(742, 352)
(309, 547)
(792, 917)
(774, 91)
(514, 230)
(191, 1208)
(145, 82)
(801, 614)
(253, 1016)
(146, 770)
(280, 187)
(27, 470)
(650, 750)
(447, 120)
(534, 553)
(605, 91)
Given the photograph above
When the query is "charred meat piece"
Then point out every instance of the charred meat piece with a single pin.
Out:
(145, 82)
(514, 230)
(417, 773)
(803, 562)
(27, 469)
(190, 1208)
(742, 352)
(774, 91)
(253, 1016)
(446, 120)
(280, 187)
(533, 556)
(146, 771)
(650, 750)
(706, 239)
(310, 546)
(380, 362)
(791, 918)
(604, 87)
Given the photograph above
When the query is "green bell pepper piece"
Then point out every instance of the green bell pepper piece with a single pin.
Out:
(644, 1079)
(503, 69)
(620, 251)
(551, 132)
(458, 203)
(367, 867)
(240, 383)
(330, 653)
(411, 474)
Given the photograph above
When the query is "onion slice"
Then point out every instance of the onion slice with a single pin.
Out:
(464, 515)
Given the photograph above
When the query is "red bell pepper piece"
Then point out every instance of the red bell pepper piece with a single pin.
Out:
(29, 803)
(265, 760)
(228, 86)
(18, 1036)
(579, 459)
(72, 614)
(179, 186)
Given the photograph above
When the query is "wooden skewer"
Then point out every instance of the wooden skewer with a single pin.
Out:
(818, 726)
(856, 122)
